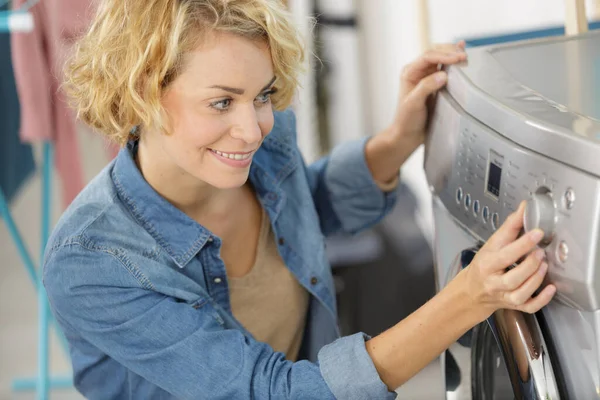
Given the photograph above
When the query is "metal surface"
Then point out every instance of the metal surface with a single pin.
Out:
(459, 155)
(517, 121)
(570, 333)
(521, 341)
(548, 88)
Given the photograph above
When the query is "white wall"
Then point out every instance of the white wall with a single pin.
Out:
(341, 54)
(390, 40)
(450, 20)
(304, 103)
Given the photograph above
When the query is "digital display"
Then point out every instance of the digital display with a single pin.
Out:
(494, 174)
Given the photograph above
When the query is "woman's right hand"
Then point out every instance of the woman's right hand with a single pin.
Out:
(492, 286)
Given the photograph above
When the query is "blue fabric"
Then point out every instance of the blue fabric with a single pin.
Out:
(142, 295)
(16, 158)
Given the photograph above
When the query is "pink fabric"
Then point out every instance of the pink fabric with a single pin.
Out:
(37, 59)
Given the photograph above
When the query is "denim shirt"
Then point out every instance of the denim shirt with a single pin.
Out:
(141, 293)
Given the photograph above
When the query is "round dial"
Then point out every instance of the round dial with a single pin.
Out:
(541, 213)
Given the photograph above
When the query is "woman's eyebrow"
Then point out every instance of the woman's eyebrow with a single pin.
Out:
(239, 91)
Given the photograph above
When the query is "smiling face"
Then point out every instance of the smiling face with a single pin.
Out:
(220, 112)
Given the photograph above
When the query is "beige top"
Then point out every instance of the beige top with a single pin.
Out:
(269, 301)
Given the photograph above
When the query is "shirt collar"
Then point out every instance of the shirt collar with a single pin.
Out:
(179, 235)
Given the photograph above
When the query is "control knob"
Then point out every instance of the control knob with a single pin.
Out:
(540, 213)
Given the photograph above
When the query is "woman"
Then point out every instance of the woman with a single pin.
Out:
(193, 266)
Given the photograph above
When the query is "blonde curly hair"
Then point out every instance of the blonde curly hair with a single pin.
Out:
(122, 66)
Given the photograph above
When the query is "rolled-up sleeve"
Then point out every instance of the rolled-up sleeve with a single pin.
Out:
(345, 194)
(184, 350)
(349, 371)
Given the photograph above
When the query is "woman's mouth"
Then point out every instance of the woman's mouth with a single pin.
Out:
(233, 156)
(237, 160)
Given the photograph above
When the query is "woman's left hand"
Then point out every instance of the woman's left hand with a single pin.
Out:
(387, 151)
(418, 81)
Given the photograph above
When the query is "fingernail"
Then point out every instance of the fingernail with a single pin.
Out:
(537, 235)
(543, 268)
(440, 77)
(539, 254)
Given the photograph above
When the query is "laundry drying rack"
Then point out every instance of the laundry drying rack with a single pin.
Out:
(21, 20)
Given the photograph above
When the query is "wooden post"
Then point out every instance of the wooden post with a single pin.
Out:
(423, 21)
(575, 17)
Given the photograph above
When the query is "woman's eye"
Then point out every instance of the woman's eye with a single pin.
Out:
(265, 97)
(221, 105)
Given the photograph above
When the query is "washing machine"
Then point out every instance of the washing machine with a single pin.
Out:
(521, 122)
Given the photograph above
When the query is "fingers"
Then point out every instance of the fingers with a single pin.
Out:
(522, 294)
(513, 252)
(427, 65)
(426, 87)
(517, 276)
(449, 46)
(502, 250)
(509, 230)
(429, 61)
(536, 303)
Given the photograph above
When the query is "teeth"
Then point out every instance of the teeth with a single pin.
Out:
(233, 156)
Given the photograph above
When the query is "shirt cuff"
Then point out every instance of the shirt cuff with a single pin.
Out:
(349, 371)
(352, 187)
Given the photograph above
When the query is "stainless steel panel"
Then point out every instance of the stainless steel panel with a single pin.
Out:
(565, 70)
(460, 154)
(548, 106)
(570, 332)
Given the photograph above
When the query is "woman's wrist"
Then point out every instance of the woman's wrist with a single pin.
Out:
(477, 307)
(385, 154)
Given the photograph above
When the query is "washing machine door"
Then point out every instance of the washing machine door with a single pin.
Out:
(502, 358)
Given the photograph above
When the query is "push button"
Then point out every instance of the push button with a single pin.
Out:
(495, 221)
(476, 208)
(562, 251)
(569, 198)
(486, 214)
(459, 195)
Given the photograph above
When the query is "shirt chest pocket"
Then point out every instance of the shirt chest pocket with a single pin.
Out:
(205, 305)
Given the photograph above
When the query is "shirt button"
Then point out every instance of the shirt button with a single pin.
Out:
(281, 241)
(313, 280)
(210, 239)
(217, 280)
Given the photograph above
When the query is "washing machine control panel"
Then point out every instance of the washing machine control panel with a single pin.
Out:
(482, 177)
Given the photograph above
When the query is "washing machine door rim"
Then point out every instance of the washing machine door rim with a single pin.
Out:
(521, 341)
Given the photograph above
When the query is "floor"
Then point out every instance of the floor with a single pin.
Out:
(18, 304)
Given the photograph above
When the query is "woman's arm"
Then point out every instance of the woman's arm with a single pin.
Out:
(402, 351)
(476, 292)
(353, 187)
(101, 297)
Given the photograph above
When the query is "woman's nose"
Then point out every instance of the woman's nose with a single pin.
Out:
(247, 127)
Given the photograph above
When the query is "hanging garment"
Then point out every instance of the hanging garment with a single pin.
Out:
(38, 59)
(16, 158)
